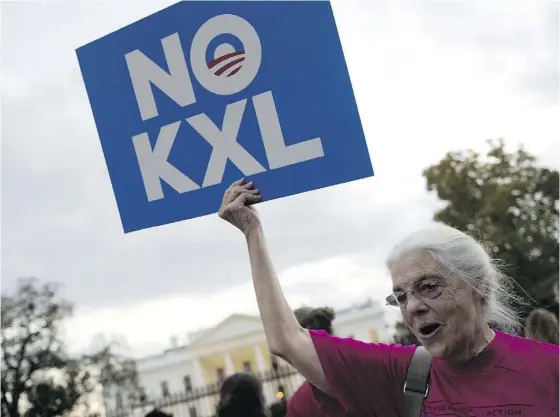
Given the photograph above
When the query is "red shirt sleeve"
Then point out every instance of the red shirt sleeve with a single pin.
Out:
(292, 410)
(367, 379)
(303, 403)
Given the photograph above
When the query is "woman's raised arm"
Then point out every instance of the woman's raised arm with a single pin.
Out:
(285, 337)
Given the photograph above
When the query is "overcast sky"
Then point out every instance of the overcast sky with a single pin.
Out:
(429, 77)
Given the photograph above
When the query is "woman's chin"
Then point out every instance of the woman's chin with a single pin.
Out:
(434, 342)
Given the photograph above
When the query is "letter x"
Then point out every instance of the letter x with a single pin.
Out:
(224, 144)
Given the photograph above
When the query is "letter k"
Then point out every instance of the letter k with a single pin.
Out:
(154, 165)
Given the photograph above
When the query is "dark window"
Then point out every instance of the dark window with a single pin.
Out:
(221, 375)
(164, 388)
(119, 400)
(188, 383)
(142, 394)
(192, 412)
(247, 366)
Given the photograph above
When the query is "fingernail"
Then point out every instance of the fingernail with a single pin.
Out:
(250, 183)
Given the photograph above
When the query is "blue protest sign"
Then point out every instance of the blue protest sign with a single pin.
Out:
(202, 93)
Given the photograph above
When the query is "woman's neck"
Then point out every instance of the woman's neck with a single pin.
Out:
(475, 346)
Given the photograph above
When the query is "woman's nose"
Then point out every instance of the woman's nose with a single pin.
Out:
(415, 304)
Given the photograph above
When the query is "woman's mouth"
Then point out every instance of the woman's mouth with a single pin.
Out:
(429, 331)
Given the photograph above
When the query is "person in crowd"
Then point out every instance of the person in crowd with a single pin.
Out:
(551, 303)
(542, 325)
(277, 409)
(316, 318)
(241, 395)
(448, 292)
(303, 403)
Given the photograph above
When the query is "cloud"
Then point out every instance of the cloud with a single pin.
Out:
(518, 40)
(428, 77)
(149, 325)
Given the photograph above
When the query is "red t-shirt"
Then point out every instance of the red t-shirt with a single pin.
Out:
(513, 376)
(304, 404)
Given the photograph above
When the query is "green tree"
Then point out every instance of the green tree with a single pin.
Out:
(509, 202)
(114, 369)
(36, 367)
(403, 335)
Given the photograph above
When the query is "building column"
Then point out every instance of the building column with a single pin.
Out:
(261, 367)
(229, 364)
(199, 380)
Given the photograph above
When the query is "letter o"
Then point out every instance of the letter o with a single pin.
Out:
(218, 25)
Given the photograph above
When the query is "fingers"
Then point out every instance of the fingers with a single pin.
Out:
(247, 198)
(237, 183)
(234, 192)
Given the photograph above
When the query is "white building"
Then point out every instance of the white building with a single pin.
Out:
(184, 380)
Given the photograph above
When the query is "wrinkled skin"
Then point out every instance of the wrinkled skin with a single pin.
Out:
(458, 309)
(236, 206)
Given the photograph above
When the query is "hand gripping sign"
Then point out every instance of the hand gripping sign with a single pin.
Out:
(202, 93)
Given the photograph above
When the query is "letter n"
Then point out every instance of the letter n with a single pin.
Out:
(176, 84)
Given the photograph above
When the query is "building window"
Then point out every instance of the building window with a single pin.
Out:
(164, 388)
(192, 412)
(142, 394)
(247, 366)
(119, 400)
(188, 383)
(274, 363)
(221, 375)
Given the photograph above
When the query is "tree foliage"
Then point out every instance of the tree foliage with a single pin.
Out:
(115, 370)
(403, 335)
(57, 396)
(39, 377)
(509, 202)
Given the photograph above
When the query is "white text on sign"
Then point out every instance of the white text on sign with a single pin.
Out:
(177, 85)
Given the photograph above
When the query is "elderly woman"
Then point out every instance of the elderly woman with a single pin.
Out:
(448, 292)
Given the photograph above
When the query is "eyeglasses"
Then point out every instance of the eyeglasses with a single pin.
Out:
(424, 289)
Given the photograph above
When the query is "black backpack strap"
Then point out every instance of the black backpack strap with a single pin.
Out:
(416, 386)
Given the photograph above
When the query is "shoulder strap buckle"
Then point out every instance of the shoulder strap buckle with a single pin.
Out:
(416, 392)
(416, 385)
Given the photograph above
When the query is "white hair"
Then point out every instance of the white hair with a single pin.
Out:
(465, 257)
